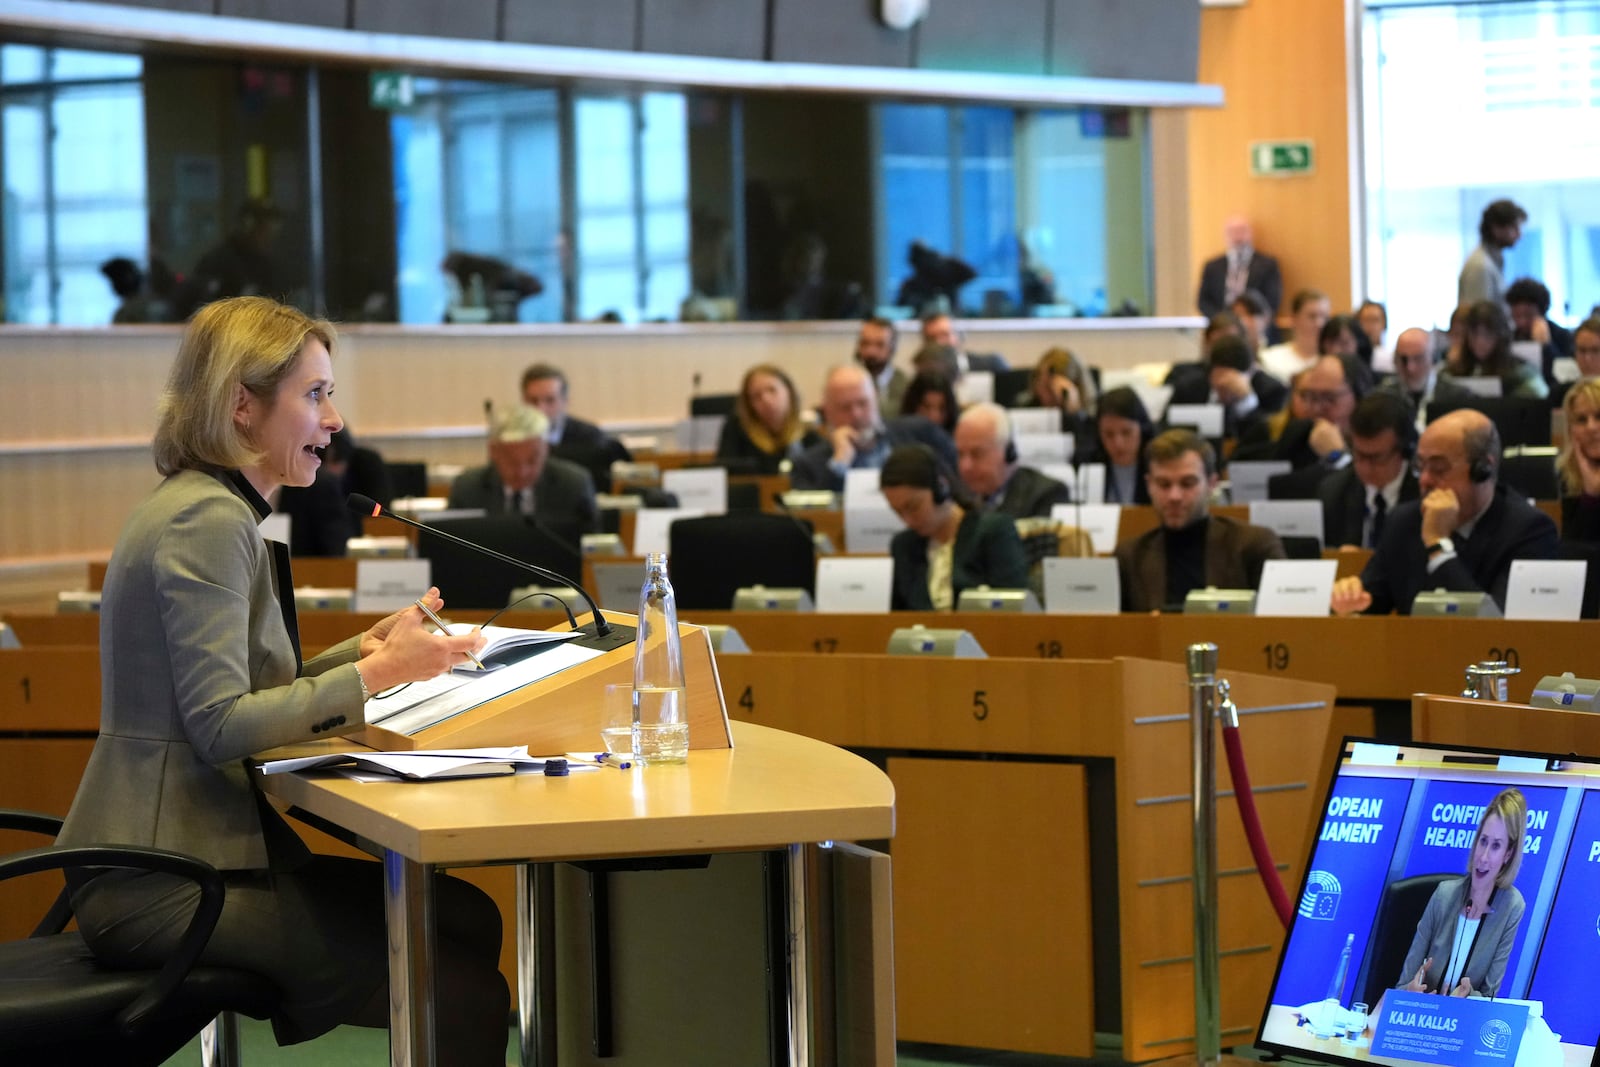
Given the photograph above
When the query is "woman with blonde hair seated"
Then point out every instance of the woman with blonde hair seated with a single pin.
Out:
(1060, 380)
(1578, 466)
(765, 433)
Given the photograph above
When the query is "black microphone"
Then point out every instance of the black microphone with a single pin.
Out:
(488, 416)
(602, 635)
(694, 425)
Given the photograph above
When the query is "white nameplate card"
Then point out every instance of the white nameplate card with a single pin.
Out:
(1090, 484)
(700, 433)
(975, 387)
(1546, 589)
(275, 527)
(391, 584)
(1034, 449)
(651, 526)
(1289, 518)
(1100, 521)
(1204, 419)
(1564, 369)
(869, 525)
(1249, 479)
(705, 488)
(1034, 420)
(617, 583)
(854, 586)
(1081, 586)
(1485, 387)
(1297, 587)
(1528, 352)
(862, 483)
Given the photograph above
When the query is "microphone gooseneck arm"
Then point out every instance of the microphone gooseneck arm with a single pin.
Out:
(365, 505)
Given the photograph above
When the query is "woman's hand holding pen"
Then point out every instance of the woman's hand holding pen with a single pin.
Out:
(1415, 985)
(404, 648)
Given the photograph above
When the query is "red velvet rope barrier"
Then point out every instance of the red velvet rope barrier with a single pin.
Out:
(1252, 826)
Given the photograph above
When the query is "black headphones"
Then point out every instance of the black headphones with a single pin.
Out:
(1010, 455)
(1482, 469)
(941, 488)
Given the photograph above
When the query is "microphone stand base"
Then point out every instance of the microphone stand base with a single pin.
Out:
(618, 637)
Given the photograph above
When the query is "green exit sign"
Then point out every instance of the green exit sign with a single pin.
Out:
(1280, 159)
(390, 89)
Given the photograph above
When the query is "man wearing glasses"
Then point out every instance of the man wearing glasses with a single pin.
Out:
(1357, 501)
(1317, 445)
(1461, 536)
(1416, 376)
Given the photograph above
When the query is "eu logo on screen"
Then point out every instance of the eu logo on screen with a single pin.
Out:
(1321, 898)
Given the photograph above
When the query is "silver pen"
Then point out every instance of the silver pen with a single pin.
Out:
(429, 612)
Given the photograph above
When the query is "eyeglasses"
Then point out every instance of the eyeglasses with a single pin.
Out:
(1372, 458)
(1434, 466)
(1322, 397)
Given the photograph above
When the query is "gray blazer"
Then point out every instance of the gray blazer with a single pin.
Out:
(1486, 963)
(197, 672)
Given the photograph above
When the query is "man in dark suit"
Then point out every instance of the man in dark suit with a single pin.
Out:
(1416, 376)
(856, 437)
(940, 329)
(986, 456)
(1231, 378)
(1461, 536)
(1192, 548)
(545, 387)
(1319, 445)
(523, 478)
(1241, 267)
(1357, 501)
(875, 344)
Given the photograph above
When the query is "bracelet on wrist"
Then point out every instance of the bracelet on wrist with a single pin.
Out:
(366, 694)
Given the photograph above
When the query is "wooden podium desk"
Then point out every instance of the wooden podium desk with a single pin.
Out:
(774, 790)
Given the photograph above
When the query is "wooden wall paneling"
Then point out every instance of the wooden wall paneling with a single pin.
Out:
(991, 905)
(50, 689)
(1516, 727)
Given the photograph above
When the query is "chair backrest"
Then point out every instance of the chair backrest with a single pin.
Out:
(408, 479)
(713, 556)
(1011, 387)
(471, 580)
(1399, 911)
(596, 459)
(1531, 471)
(1521, 421)
(712, 404)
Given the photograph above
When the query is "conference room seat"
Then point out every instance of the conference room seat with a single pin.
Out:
(1399, 911)
(713, 556)
(1531, 471)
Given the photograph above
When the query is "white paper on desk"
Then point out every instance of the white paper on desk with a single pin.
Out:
(1090, 484)
(1546, 589)
(1298, 587)
(861, 483)
(1101, 521)
(1288, 518)
(869, 525)
(1034, 420)
(1082, 586)
(1248, 479)
(445, 701)
(849, 586)
(1154, 397)
(1528, 352)
(651, 525)
(275, 527)
(705, 488)
(391, 584)
(406, 764)
(975, 387)
(1487, 387)
(1034, 449)
(1205, 419)
(700, 433)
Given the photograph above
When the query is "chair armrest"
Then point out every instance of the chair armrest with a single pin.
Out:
(190, 944)
(33, 822)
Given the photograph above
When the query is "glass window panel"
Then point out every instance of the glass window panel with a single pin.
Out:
(418, 151)
(915, 179)
(68, 65)
(21, 63)
(988, 211)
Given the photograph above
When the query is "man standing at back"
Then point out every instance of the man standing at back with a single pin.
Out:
(856, 438)
(1461, 536)
(1192, 548)
(875, 345)
(1483, 274)
(1239, 269)
(987, 458)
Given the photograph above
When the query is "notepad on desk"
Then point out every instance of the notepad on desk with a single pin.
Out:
(428, 766)
(501, 643)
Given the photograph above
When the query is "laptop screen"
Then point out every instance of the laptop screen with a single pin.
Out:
(1428, 930)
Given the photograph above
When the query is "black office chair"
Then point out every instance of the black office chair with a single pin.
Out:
(712, 404)
(1531, 471)
(715, 556)
(1301, 547)
(408, 479)
(1011, 386)
(1399, 910)
(58, 1005)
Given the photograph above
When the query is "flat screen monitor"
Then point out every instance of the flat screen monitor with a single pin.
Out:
(468, 579)
(1382, 933)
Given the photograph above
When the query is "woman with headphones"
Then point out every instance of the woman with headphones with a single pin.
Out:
(947, 545)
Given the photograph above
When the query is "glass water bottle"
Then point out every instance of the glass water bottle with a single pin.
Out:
(659, 702)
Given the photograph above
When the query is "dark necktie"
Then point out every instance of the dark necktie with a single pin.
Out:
(1380, 510)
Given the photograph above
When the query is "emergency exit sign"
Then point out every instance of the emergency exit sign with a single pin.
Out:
(390, 89)
(1281, 159)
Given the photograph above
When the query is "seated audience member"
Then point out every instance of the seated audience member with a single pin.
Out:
(1256, 318)
(931, 396)
(1342, 335)
(1486, 353)
(765, 434)
(854, 437)
(1191, 549)
(1461, 536)
(1191, 382)
(320, 523)
(1122, 428)
(1060, 380)
(1311, 310)
(987, 458)
(875, 345)
(1247, 393)
(522, 478)
(1357, 501)
(545, 387)
(1579, 462)
(1416, 376)
(1374, 320)
(1529, 303)
(1585, 352)
(941, 329)
(948, 544)
(1318, 444)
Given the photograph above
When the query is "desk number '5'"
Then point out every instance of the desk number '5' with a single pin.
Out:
(980, 706)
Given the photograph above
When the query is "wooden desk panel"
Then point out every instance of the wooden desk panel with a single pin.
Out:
(53, 689)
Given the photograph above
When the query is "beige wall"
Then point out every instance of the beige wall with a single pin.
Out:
(1282, 67)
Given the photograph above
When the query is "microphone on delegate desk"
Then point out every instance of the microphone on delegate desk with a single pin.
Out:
(694, 425)
(603, 635)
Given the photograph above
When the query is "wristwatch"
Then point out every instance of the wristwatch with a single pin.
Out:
(1445, 545)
